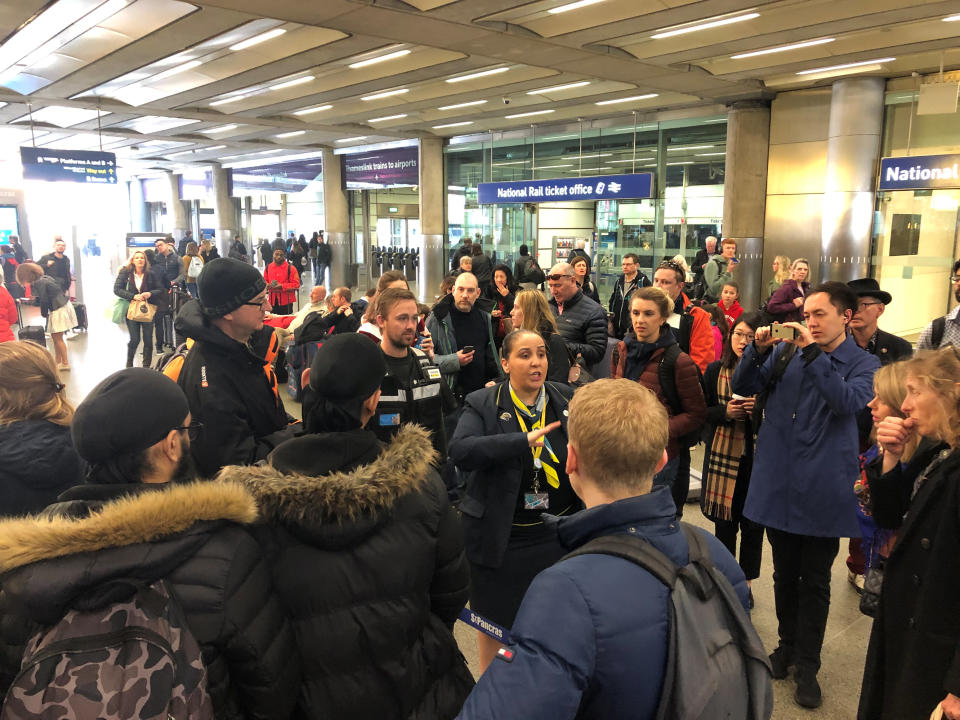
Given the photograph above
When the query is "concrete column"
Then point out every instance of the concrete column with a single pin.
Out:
(139, 212)
(745, 192)
(283, 215)
(224, 209)
(853, 147)
(433, 197)
(249, 240)
(336, 218)
(178, 212)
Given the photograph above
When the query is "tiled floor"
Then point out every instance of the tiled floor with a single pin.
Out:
(97, 353)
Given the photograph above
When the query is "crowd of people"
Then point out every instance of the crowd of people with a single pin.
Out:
(458, 454)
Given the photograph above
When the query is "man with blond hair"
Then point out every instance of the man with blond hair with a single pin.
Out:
(591, 637)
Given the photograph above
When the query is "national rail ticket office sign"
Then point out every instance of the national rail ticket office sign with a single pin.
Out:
(920, 172)
(84, 166)
(599, 187)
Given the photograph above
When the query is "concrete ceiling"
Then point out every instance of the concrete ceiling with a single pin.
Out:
(170, 82)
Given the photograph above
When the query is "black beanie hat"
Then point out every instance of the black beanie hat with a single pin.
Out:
(347, 367)
(104, 427)
(225, 284)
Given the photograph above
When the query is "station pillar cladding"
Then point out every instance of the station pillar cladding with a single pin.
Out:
(853, 149)
(178, 212)
(433, 196)
(226, 211)
(745, 192)
(336, 218)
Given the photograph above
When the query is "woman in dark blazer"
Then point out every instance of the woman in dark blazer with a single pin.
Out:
(786, 303)
(512, 442)
(913, 659)
(531, 312)
(135, 282)
(502, 292)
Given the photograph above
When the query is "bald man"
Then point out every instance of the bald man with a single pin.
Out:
(462, 330)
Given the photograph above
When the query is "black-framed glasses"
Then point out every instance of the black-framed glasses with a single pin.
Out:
(863, 305)
(192, 430)
(262, 302)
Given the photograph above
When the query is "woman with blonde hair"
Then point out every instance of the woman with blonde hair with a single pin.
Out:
(531, 312)
(36, 453)
(786, 304)
(192, 265)
(137, 283)
(913, 657)
(54, 306)
(208, 251)
(781, 271)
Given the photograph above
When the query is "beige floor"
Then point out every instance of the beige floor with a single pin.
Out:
(97, 353)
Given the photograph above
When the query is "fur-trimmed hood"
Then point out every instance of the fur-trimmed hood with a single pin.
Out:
(357, 497)
(144, 517)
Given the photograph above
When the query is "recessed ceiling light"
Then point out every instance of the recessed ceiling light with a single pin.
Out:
(782, 48)
(482, 73)
(380, 59)
(529, 114)
(846, 66)
(704, 25)
(352, 139)
(679, 148)
(558, 88)
(952, 18)
(462, 105)
(257, 39)
(212, 147)
(292, 133)
(385, 94)
(221, 128)
(572, 6)
(308, 111)
(456, 124)
(291, 83)
(387, 117)
(627, 99)
(176, 70)
(225, 101)
(685, 162)
(709, 154)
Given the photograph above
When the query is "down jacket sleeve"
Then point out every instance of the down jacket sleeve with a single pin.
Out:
(702, 350)
(450, 588)
(594, 330)
(691, 399)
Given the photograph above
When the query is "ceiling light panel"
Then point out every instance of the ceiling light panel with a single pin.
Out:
(453, 124)
(574, 17)
(385, 94)
(782, 48)
(708, 24)
(568, 7)
(559, 88)
(457, 106)
(630, 99)
(257, 39)
(68, 36)
(387, 118)
(292, 133)
(527, 114)
(152, 124)
(846, 66)
(376, 59)
(478, 74)
(61, 116)
(312, 110)
(358, 138)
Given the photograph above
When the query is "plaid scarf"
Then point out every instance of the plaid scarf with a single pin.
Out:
(726, 449)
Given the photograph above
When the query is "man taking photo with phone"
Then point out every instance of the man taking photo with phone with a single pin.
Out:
(810, 388)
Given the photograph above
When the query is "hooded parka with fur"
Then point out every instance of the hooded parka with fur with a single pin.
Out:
(368, 559)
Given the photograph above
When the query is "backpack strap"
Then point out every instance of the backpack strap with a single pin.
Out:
(635, 549)
(939, 328)
(667, 377)
(776, 375)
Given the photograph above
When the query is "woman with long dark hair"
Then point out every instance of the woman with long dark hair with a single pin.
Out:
(581, 271)
(501, 292)
(728, 460)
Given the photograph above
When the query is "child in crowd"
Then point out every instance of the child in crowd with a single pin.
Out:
(720, 326)
(730, 302)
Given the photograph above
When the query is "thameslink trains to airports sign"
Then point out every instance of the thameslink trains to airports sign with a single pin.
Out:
(600, 187)
(85, 166)
(920, 172)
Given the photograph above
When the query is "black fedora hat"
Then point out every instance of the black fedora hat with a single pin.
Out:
(868, 287)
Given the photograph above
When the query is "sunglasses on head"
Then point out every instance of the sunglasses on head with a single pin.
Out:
(556, 278)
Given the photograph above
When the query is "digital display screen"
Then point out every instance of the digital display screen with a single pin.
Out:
(9, 223)
(83, 166)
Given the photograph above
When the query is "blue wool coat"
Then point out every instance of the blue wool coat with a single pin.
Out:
(590, 639)
(806, 457)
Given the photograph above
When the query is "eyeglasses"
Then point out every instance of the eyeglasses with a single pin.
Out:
(192, 430)
(558, 278)
(748, 337)
(261, 303)
(864, 305)
(955, 278)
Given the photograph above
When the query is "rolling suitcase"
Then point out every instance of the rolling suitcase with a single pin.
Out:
(81, 310)
(33, 333)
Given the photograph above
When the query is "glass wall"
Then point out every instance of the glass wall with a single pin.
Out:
(916, 234)
(686, 157)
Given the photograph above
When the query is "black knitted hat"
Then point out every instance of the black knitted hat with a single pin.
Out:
(104, 427)
(347, 367)
(225, 284)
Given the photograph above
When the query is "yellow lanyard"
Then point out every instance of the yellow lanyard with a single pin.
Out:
(553, 479)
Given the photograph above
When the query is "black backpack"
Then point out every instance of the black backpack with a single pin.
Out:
(667, 377)
(716, 665)
(937, 331)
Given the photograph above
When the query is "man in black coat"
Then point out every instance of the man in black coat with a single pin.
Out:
(581, 321)
(631, 279)
(138, 520)
(873, 301)
(324, 258)
(167, 267)
(56, 264)
(226, 383)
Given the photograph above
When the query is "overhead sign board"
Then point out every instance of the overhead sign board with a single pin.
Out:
(392, 167)
(920, 172)
(287, 177)
(84, 166)
(599, 187)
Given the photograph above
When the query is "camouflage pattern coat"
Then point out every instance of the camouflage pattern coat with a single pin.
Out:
(190, 535)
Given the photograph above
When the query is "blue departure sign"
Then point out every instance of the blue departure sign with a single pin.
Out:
(920, 172)
(84, 166)
(599, 187)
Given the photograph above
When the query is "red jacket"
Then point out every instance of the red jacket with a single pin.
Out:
(8, 315)
(289, 279)
(731, 313)
(688, 388)
(701, 336)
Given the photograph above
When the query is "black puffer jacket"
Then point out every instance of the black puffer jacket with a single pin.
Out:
(583, 326)
(37, 463)
(189, 535)
(368, 559)
(228, 391)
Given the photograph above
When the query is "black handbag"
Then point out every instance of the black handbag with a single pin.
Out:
(872, 585)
